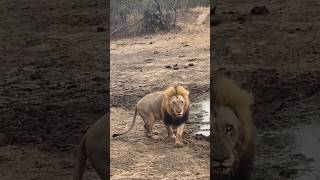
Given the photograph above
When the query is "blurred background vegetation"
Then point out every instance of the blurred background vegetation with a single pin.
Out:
(134, 17)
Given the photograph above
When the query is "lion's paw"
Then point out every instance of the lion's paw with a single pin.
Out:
(171, 138)
(178, 144)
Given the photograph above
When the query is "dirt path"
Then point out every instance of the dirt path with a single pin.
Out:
(145, 64)
(135, 156)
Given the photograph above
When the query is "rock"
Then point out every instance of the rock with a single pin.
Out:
(101, 29)
(148, 60)
(98, 78)
(190, 64)
(259, 10)
(193, 59)
(201, 137)
(241, 19)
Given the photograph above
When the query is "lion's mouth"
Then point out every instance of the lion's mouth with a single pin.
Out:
(221, 170)
(179, 114)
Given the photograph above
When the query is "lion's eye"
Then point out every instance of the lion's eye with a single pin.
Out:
(229, 129)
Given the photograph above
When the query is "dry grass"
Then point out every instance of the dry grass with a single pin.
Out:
(187, 22)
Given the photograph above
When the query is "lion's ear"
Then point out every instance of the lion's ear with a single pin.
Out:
(183, 91)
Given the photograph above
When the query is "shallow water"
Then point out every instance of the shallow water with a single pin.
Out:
(203, 113)
(298, 149)
(308, 144)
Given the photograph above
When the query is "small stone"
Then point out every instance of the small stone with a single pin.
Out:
(193, 59)
(101, 29)
(148, 60)
(241, 18)
(98, 78)
(259, 10)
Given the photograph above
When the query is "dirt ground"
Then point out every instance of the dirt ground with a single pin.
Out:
(52, 84)
(145, 64)
(276, 57)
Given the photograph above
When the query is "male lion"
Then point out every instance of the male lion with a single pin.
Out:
(94, 147)
(233, 145)
(171, 106)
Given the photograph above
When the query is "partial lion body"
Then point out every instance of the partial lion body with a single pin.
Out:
(93, 147)
(171, 106)
(233, 146)
(151, 104)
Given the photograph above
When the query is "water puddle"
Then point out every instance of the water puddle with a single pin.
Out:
(202, 112)
(308, 144)
(298, 151)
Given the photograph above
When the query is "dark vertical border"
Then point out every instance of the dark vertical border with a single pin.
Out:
(212, 103)
(108, 85)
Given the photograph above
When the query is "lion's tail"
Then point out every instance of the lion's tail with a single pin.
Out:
(81, 161)
(133, 121)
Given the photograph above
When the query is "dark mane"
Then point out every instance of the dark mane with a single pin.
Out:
(175, 121)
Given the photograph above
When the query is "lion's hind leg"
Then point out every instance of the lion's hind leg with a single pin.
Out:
(149, 122)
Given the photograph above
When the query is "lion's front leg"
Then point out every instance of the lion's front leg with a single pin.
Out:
(171, 136)
(178, 140)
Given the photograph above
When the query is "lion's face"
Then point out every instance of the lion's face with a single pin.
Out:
(225, 141)
(177, 104)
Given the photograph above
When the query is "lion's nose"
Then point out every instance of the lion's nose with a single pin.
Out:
(221, 158)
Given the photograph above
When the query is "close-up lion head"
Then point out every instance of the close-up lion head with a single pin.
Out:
(176, 103)
(233, 143)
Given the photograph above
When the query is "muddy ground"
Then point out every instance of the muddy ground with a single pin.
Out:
(276, 57)
(52, 84)
(146, 64)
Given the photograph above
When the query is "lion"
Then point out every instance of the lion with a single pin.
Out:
(233, 142)
(93, 146)
(171, 106)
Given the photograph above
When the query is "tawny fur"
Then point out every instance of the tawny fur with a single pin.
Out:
(93, 147)
(228, 93)
(156, 106)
